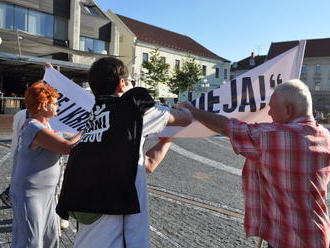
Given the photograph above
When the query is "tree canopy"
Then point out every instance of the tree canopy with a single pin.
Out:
(185, 78)
(157, 71)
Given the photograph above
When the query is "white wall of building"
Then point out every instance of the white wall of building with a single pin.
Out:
(173, 55)
(316, 73)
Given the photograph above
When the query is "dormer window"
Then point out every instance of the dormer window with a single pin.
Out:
(252, 62)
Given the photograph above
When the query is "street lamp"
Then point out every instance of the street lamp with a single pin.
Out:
(205, 85)
(18, 37)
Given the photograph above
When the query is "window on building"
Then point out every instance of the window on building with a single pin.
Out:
(317, 69)
(145, 57)
(93, 45)
(6, 16)
(317, 86)
(99, 46)
(217, 72)
(177, 64)
(86, 44)
(61, 28)
(163, 59)
(303, 70)
(225, 73)
(204, 70)
(21, 18)
(41, 24)
(32, 21)
(189, 96)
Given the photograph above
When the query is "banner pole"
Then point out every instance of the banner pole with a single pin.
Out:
(300, 54)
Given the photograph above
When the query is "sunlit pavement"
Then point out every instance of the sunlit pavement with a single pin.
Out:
(194, 196)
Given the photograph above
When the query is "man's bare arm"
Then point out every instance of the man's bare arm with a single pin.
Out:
(179, 117)
(217, 123)
(156, 154)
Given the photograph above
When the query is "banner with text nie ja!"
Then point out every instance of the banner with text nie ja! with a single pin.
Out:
(246, 97)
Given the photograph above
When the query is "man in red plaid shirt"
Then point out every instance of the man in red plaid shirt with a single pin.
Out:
(286, 171)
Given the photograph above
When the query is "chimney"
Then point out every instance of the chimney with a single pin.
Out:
(252, 62)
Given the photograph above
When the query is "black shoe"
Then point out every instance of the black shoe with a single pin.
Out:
(5, 198)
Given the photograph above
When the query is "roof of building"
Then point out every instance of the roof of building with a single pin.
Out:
(314, 48)
(165, 38)
(245, 64)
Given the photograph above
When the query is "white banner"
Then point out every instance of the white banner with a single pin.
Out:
(245, 97)
(74, 102)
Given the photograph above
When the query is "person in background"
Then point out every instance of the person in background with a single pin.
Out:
(286, 171)
(104, 183)
(36, 172)
(18, 121)
(163, 102)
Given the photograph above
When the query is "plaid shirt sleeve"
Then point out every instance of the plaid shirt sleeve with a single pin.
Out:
(245, 138)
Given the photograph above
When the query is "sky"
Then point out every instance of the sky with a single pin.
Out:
(232, 28)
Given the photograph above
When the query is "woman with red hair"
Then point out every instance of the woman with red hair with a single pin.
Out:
(37, 172)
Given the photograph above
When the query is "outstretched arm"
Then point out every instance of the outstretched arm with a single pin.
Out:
(156, 154)
(179, 117)
(47, 139)
(215, 122)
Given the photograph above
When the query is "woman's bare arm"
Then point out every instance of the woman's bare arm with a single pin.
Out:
(47, 139)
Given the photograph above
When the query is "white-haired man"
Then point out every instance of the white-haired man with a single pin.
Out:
(286, 171)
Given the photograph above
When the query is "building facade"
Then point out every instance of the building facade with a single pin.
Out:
(70, 34)
(137, 40)
(315, 70)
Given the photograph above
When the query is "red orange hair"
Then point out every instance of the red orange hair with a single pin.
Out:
(37, 94)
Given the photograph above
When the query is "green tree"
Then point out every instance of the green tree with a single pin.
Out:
(157, 71)
(186, 77)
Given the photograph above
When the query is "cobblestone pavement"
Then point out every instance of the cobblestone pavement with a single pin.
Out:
(174, 222)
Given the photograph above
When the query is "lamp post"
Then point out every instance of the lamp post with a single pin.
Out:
(18, 37)
(205, 85)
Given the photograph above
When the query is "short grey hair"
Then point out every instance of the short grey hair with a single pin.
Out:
(297, 93)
